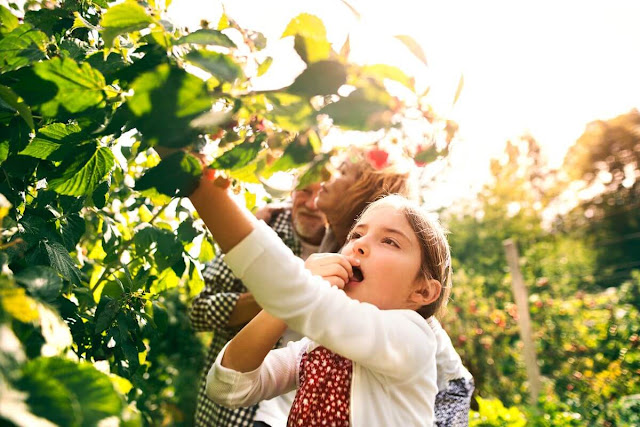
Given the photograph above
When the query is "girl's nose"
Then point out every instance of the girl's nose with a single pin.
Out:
(360, 247)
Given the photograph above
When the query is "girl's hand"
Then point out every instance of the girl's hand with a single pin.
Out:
(334, 268)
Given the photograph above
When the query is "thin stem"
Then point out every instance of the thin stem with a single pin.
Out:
(108, 271)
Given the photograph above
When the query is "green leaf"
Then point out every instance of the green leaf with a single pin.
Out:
(106, 313)
(55, 141)
(15, 136)
(42, 282)
(364, 109)
(113, 289)
(239, 156)
(297, 153)
(176, 175)
(219, 65)
(424, 157)
(264, 65)
(91, 391)
(206, 36)
(165, 102)
(383, 71)
(61, 260)
(290, 112)
(79, 86)
(187, 232)
(320, 78)
(310, 37)
(8, 21)
(9, 99)
(207, 252)
(123, 18)
(22, 46)
(317, 172)
(414, 47)
(82, 174)
(47, 397)
(72, 228)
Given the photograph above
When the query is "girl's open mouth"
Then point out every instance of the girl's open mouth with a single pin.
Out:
(357, 275)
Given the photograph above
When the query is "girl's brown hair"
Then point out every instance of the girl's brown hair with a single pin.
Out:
(434, 247)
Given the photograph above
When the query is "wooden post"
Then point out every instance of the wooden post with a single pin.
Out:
(524, 321)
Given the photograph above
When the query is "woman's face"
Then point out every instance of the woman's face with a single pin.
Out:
(334, 193)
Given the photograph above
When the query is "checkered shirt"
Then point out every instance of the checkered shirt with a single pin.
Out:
(210, 311)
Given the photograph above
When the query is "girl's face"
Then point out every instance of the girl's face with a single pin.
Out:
(333, 192)
(390, 258)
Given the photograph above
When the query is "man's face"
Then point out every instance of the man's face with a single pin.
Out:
(308, 221)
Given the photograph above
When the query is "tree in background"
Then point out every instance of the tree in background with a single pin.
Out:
(606, 159)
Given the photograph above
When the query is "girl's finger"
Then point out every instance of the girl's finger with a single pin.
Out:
(335, 281)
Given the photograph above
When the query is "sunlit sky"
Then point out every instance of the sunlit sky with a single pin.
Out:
(543, 67)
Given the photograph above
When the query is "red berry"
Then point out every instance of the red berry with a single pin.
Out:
(378, 158)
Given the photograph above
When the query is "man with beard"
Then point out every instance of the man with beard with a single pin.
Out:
(224, 306)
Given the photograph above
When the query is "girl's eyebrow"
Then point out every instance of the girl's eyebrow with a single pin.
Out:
(397, 232)
(386, 230)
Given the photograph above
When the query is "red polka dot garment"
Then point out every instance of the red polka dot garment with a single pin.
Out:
(325, 389)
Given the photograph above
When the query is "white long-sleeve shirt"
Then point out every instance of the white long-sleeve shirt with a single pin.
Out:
(393, 351)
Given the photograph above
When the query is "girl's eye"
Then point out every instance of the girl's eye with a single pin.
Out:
(390, 241)
(354, 236)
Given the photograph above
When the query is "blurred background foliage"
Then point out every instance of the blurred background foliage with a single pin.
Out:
(100, 258)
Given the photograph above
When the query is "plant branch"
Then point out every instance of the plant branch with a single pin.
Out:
(125, 245)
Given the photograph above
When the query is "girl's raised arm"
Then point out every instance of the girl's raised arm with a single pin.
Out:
(228, 222)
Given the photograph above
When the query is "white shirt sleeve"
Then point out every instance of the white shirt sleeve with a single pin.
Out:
(278, 374)
(395, 343)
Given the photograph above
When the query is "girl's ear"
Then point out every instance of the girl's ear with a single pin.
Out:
(426, 292)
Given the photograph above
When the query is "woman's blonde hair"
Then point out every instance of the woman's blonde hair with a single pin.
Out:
(370, 185)
(434, 248)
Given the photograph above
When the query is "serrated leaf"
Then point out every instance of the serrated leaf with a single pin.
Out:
(362, 110)
(72, 228)
(206, 36)
(22, 46)
(320, 78)
(176, 175)
(57, 138)
(106, 312)
(414, 47)
(219, 65)
(123, 18)
(79, 86)
(290, 112)
(166, 101)
(82, 174)
(8, 21)
(296, 154)
(9, 98)
(384, 71)
(264, 65)
(310, 37)
(317, 172)
(187, 232)
(239, 156)
(60, 259)
(41, 281)
(91, 391)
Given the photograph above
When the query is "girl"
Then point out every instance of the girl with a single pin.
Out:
(371, 356)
